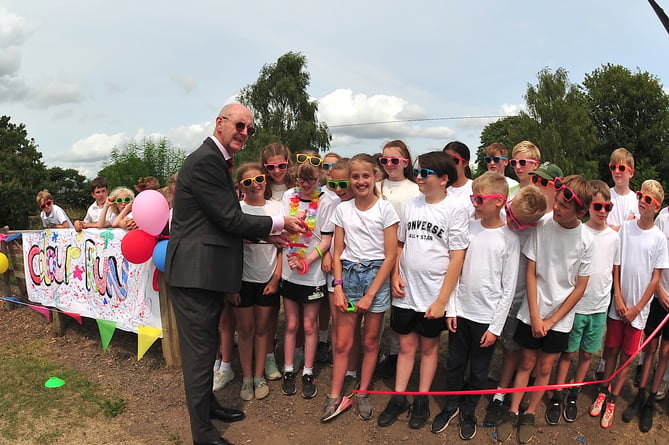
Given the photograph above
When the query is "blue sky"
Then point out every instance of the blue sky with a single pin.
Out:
(87, 75)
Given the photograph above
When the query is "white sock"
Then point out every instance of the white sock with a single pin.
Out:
(323, 335)
(226, 366)
(271, 354)
(288, 368)
(217, 365)
(354, 374)
(602, 365)
(307, 371)
(498, 396)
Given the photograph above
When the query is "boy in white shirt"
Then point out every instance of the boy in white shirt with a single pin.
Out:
(496, 160)
(559, 257)
(476, 316)
(99, 192)
(621, 164)
(643, 254)
(52, 216)
(587, 334)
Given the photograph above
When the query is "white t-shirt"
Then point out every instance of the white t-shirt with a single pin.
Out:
(398, 193)
(260, 260)
(662, 223)
(623, 207)
(462, 194)
(641, 251)
(57, 216)
(314, 276)
(605, 253)
(561, 256)
(277, 191)
(93, 214)
(513, 187)
(364, 238)
(429, 232)
(488, 281)
(520, 293)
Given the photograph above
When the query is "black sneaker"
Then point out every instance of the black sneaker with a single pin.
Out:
(420, 412)
(322, 352)
(570, 409)
(309, 389)
(387, 368)
(493, 415)
(634, 408)
(288, 385)
(467, 426)
(647, 413)
(554, 411)
(397, 405)
(442, 420)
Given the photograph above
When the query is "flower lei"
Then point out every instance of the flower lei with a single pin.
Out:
(300, 249)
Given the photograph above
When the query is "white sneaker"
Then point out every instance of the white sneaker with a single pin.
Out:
(662, 392)
(222, 378)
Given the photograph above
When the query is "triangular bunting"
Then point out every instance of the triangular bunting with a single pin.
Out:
(42, 310)
(73, 315)
(12, 299)
(146, 336)
(106, 329)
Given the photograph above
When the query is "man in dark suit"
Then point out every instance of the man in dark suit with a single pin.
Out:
(204, 260)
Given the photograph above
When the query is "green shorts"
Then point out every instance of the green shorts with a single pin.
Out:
(587, 333)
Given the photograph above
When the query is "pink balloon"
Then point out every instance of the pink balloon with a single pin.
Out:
(151, 211)
(137, 246)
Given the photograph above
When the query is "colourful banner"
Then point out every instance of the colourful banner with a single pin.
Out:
(85, 273)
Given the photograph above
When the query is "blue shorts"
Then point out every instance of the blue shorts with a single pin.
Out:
(357, 279)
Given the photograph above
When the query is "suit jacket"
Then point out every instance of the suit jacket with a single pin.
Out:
(205, 246)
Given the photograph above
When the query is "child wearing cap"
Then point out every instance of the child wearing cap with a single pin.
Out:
(559, 260)
(590, 320)
(643, 255)
(544, 177)
(496, 160)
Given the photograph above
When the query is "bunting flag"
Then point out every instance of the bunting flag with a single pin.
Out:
(13, 300)
(106, 329)
(146, 336)
(73, 315)
(42, 310)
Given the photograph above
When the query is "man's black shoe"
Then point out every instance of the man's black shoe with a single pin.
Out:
(227, 415)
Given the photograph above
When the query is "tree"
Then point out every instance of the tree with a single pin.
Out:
(282, 109)
(629, 110)
(21, 174)
(149, 158)
(70, 188)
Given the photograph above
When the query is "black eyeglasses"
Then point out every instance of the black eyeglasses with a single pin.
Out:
(258, 179)
(272, 165)
(341, 184)
(598, 206)
(495, 159)
(307, 180)
(125, 200)
(423, 172)
(240, 126)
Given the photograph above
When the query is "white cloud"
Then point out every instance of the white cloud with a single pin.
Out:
(188, 138)
(55, 93)
(186, 83)
(513, 109)
(360, 116)
(96, 147)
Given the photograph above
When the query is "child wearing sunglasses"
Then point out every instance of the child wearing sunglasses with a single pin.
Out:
(544, 178)
(121, 200)
(559, 264)
(253, 304)
(587, 334)
(275, 159)
(461, 188)
(523, 214)
(525, 158)
(643, 256)
(303, 280)
(621, 165)
(496, 160)
(52, 216)
(477, 311)
(398, 187)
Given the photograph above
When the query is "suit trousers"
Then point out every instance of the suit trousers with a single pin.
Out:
(197, 313)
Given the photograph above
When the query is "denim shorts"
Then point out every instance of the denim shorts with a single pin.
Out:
(357, 279)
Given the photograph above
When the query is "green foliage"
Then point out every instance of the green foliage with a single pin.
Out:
(282, 109)
(69, 188)
(112, 407)
(21, 174)
(151, 157)
(175, 438)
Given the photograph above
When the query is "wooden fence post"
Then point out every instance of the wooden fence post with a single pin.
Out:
(170, 341)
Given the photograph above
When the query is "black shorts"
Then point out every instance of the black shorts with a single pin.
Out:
(251, 295)
(655, 317)
(553, 343)
(405, 321)
(301, 294)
